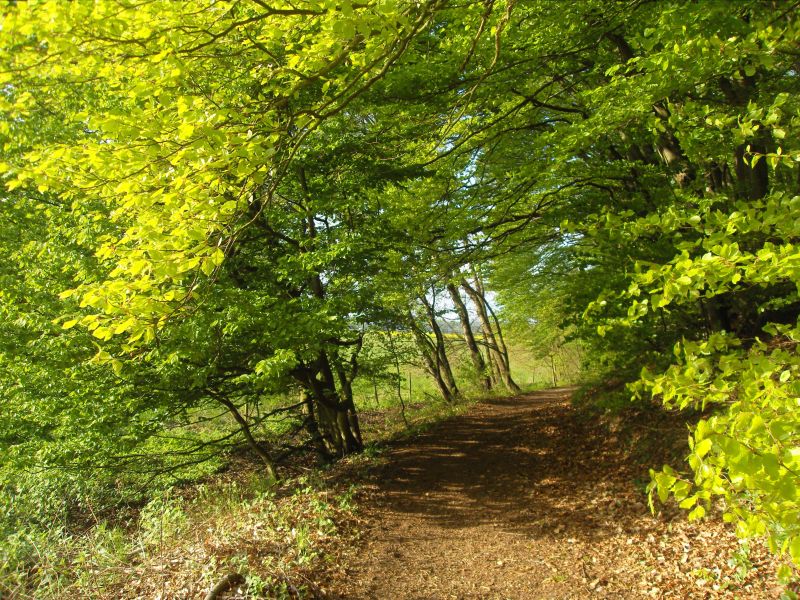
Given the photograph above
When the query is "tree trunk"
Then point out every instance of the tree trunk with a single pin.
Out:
(346, 394)
(499, 352)
(469, 338)
(430, 361)
(340, 417)
(442, 361)
(336, 418)
(494, 369)
(312, 426)
(248, 434)
(503, 349)
(343, 411)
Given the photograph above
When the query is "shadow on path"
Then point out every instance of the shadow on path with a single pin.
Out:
(515, 463)
(526, 498)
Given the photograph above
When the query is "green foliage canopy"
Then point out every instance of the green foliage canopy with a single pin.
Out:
(285, 176)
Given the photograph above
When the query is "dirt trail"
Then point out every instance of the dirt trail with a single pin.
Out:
(524, 498)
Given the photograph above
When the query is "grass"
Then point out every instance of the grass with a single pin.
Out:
(184, 541)
(414, 386)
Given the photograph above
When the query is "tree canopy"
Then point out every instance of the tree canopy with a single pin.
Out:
(225, 207)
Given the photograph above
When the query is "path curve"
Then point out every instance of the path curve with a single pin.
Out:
(524, 497)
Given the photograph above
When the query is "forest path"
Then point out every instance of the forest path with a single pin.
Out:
(524, 497)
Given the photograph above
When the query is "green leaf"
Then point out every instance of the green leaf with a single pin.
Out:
(702, 447)
(207, 266)
(185, 131)
(698, 513)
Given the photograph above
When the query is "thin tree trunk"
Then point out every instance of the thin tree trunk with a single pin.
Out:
(498, 354)
(494, 369)
(442, 361)
(430, 360)
(248, 434)
(469, 338)
(501, 342)
(510, 383)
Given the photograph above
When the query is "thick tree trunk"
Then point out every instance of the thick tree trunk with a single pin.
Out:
(342, 412)
(331, 416)
(312, 427)
(340, 423)
(469, 338)
(329, 426)
(346, 394)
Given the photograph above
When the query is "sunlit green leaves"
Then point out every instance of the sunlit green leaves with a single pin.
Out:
(191, 113)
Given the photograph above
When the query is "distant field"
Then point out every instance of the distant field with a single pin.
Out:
(415, 386)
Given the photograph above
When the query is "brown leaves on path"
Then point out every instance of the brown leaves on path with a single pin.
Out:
(525, 497)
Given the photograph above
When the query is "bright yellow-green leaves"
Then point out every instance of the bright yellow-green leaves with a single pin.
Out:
(192, 121)
(748, 455)
(191, 114)
(713, 262)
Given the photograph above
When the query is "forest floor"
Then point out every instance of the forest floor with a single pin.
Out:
(529, 498)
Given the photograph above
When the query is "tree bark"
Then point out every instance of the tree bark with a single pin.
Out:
(346, 386)
(503, 349)
(430, 359)
(336, 418)
(469, 338)
(442, 360)
(312, 427)
(500, 356)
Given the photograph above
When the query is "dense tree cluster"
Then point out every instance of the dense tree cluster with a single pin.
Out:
(240, 207)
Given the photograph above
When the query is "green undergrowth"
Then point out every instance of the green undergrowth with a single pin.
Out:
(96, 535)
(182, 540)
(648, 434)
